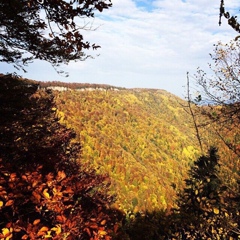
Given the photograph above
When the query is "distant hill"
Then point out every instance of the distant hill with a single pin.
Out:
(142, 138)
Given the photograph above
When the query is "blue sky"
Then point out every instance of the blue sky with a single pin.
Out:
(146, 44)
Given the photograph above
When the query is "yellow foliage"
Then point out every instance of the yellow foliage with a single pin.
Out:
(57, 229)
(134, 138)
(7, 233)
(102, 233)
(46, 194)
(216, 210)
(190, 152)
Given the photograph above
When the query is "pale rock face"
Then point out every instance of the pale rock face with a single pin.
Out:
(58, 88)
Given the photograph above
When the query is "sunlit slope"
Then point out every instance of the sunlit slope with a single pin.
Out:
(142, 138)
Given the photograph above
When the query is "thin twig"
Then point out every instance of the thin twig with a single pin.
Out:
(192, 114)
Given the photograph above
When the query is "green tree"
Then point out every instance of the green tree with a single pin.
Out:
(45, 29)
(205, 209)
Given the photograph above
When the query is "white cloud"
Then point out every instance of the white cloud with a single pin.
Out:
(150, 43)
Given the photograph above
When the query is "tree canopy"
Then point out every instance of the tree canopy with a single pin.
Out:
(49, 30)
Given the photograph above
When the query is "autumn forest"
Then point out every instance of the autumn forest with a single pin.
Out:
(81, 161)
(99, 162)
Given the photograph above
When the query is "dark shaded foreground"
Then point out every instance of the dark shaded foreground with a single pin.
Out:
(44, 193)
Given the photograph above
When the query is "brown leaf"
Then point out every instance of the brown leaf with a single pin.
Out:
(93, 226)
(61, 218)
(61, 175)
(13, 176)
(24, 237)
(17, 229)
(50, 177)
(24, 177)
(36, 221)
(42, 231)
(34, 184)
(36, 195)
(115, 228)
(9, 203)
(9, 225)
(88, 231)
(70, 223)
(103, 222)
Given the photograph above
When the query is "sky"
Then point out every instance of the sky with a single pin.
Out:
(146, 44)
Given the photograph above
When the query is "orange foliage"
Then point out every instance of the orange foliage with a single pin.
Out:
(44, 192)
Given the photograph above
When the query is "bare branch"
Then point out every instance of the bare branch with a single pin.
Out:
(192, 114)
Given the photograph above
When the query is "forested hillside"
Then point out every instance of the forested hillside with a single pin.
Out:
(143, 139)
(100, 162)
